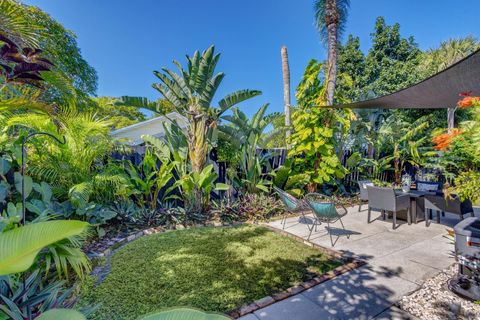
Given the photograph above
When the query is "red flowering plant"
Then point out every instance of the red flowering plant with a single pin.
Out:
(468, 101)
(443, 141)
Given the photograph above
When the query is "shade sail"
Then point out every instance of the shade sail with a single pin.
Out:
(439, 91)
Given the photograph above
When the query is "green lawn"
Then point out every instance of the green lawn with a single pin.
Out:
(214, 269)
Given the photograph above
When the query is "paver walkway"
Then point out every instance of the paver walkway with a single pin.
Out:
(398, 261)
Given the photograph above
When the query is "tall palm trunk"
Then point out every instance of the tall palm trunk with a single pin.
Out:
(286, 90)
(332, 20)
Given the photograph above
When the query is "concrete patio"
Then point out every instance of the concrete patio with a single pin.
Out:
(398, 261)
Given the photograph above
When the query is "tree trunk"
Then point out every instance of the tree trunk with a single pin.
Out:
(197, 152)
(332, 30)
(451, 118)
(286, 90)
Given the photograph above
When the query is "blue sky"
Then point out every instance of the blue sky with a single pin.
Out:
(126, 40)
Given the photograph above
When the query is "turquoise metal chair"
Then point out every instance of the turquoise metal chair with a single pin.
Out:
(292, 204)
(325, 210)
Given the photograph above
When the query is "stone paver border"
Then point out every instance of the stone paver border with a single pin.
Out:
(349, 264)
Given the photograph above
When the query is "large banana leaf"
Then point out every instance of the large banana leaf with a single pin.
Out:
(61, 314)
(184, 314)
(20, 246)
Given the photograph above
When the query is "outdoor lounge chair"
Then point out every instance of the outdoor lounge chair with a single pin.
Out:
(325, 210)
(385, 200)
(292, 204)
(453, 205)
(362, 185)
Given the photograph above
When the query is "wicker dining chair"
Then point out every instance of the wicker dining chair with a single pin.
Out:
(363, 195)
(292, 204)
(325, 210)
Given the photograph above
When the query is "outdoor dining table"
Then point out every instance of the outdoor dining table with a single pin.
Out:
(415, 196)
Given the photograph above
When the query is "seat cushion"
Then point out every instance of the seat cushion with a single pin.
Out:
(290, 202)
(427, 186)
(324, 210)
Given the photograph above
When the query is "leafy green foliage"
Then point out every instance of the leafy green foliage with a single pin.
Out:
(33, 298)
(391, 63)
(20, 246)
(119, 113)
(407, 142)
(467, 186)
(184, 314)
(76, 170)
(190, 92)
(249, 135)
(316, 131)
(285, 178)
(238, 266)
(148, 178)
(60, 45)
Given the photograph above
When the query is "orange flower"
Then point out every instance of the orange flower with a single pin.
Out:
(443, 141)
(468, 100)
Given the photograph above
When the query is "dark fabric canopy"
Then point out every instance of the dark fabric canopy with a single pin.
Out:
(439, 91)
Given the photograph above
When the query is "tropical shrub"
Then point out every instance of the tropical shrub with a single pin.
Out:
(78, 170)
(258, 207)
(316, 130)
(148, 178)
(285, 179)
(33, 297)
(249, 135)
(467, 186)
(173, 152)
(404, 142)
(19, 252)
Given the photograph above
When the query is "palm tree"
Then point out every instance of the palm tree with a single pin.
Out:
(76, 170)
(191, 92)
(286, 90)
(448, 53)
(330, 18)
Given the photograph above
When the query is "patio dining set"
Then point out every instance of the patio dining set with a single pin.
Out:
(412, 206)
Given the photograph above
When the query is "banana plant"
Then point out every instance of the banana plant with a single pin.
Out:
(249, 134)
(203, 181)
(149, 178)
(19, 247)
(190, 92)
(403, 138)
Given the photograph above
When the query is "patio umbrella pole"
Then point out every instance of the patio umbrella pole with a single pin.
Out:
(24, 159)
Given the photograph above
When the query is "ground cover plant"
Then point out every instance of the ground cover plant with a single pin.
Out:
(214, 269)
